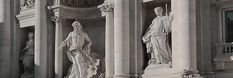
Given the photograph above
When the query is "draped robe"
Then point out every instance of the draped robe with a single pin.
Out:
(78, 55)
(156, 40)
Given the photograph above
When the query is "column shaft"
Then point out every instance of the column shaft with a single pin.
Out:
(41, 44)
(183, 34)
(109, 45)
(58, 55)
(121, 39)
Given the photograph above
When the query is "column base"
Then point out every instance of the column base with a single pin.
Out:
(109, 77)
(121, 76)
(162, 76)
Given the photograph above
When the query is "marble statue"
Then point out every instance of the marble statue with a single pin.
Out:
(156, 38)
(27, 57)
(84, 66)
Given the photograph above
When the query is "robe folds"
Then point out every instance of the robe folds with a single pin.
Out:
(156, 40)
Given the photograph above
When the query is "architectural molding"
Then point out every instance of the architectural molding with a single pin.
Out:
(81, 3)
(26, 17)
(223, 3)
(73, 13)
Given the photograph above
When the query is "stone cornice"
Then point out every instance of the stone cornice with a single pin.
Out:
(73, 13)
(223, 3)
(26, 17)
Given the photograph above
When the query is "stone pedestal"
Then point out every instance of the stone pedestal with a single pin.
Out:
(158, 66)
(160, 71)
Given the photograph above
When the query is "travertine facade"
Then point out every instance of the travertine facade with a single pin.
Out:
(199, 37)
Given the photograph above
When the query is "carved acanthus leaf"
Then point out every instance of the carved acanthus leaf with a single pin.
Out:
(25, 4)
(106, 7)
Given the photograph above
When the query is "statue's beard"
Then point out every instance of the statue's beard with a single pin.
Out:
(77, 31)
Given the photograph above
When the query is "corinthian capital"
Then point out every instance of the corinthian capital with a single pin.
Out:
(106, 7)
(57, 18)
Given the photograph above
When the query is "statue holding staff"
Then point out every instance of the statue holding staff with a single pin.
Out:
(156, 38)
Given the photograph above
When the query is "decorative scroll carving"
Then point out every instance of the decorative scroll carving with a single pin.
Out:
(24, 4)
(106, 7)
(57, 18)
(190, 73)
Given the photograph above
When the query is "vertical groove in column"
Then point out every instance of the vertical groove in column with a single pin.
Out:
(41, 37)
(121, 38)
(181, 32)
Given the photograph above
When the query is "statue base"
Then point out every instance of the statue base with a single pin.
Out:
(163, 71)
(27, 75)
(159, 71)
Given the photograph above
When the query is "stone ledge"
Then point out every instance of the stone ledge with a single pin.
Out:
(160, 71)
(26, 18)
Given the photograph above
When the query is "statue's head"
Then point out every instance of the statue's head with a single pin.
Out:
(30, 35)
(158, 11)
(77, 26)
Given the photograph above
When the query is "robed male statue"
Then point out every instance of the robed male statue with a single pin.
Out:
(156, 38)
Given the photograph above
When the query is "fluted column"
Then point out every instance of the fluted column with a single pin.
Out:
(181, 33)
(58, 40)
(184, 36)
(107, 10)
(41, 42)
(121, 39)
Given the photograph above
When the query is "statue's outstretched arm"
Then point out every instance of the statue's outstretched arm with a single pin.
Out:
(63, 44)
